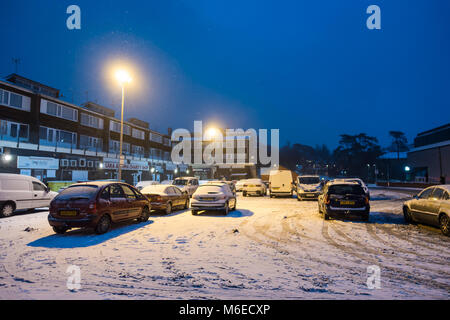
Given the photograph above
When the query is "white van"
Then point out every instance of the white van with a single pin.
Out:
(280, 183)
(18, 192)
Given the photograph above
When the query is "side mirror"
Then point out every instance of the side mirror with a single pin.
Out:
(416, 196)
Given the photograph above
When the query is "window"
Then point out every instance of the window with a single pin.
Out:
(13, 131)
(114, 147)
(90, 143)
(58, 110)
(166, 141)
(38, 186)
(129, 194)
(437, 194)
(115, 126)
(105, 194)
(139, 134)
(425, 193)
(14, 100)
(138, 151)
(155, 137)
(116, 191)
(91, 121)
(57, 137)
(155, 153)
(445, 196)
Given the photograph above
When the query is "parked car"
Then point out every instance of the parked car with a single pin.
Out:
(167, 182)
(240, 184)
(22, 192)
(254, 186)
(280, 183)
(213, 197)
(166, 197)
(344, 199)
(231, 184)
(142, 184)
(97, 204)
(308, 187)
(187, 184)
(431, 206)
(359, 181)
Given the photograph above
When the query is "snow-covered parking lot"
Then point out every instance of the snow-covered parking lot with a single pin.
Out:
(267, 249)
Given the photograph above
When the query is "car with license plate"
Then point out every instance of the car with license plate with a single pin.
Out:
(344, 199)
(431, 206)
(217, 197)
(166, 198)
(97, 204)
(255, 187)
(308, 187)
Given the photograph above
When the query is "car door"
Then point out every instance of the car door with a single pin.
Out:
(179, 195)
(434, 205)
(230, 196)
(132, 204)
(419, 205)
(40, 195)
(119, 207)
(173, 196)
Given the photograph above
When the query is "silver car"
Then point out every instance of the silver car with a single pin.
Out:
(431, 206)
(213, 197)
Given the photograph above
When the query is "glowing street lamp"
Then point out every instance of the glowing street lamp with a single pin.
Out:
(123, 77)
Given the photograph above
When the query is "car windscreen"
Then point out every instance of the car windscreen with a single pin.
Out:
(180, 182)
(343, 189)
(78, 192)
(308, 180)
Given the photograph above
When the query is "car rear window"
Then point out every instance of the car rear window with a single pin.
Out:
(308, 180)
(343, 189)
(86, 191)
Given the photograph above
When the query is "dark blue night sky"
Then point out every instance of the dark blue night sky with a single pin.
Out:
(310, 68)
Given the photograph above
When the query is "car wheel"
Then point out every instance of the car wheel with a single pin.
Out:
(407, 215)
(444, 224)
(298, 198)
(103, 225)
(226, 209)
(169, 208)
(194, 212)
(145, 214)
(7, 210)
(186, 205)
(60, 230)
(326, 216)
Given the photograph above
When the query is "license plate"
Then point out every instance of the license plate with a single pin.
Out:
(309, 195)
(275, 187)
(208, 199)
(68, 213)
(343, 202)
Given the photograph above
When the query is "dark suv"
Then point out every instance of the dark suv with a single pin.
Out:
(97, 204)
(344, 199)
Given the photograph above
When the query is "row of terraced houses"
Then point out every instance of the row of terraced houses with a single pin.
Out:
(56, 141)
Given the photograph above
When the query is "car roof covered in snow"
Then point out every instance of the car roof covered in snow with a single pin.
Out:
(336, 182)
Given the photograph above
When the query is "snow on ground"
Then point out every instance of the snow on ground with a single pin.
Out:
(267, 249)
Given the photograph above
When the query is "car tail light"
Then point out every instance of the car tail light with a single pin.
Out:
(158, 198)
(367, 200)
(92, 207)
(327, 199)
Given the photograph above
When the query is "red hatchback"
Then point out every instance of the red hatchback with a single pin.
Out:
(97, 204)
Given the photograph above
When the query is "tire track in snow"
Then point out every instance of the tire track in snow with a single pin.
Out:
(395, 272)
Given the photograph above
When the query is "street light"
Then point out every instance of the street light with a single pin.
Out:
(123, 78)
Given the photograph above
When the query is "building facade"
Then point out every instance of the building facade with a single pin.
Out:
(53, 140)
(429, 160)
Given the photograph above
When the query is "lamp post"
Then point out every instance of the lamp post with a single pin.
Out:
(123, 77)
